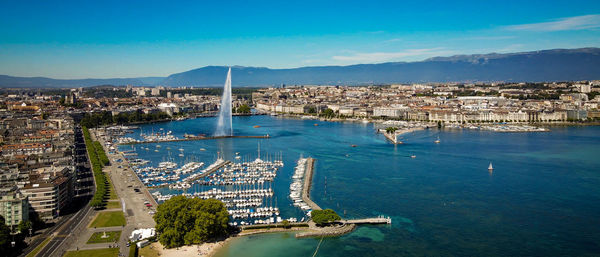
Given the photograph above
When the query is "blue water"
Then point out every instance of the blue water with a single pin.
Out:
(543, 198)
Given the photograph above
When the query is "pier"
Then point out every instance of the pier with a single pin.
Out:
(190, 139)
(307, 184)
(211, 169)
(393, 137)
(378, 220)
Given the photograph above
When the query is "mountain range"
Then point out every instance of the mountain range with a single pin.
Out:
(545, 65)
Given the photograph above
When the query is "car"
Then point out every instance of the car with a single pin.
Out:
(136, 190)
(127, 244)
(120, 167)
(151, 212)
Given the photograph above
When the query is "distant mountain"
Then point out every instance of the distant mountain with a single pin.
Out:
(546, 65)
(41, 82)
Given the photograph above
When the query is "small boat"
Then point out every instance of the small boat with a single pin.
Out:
(157, 146)
(181, 149)
(316, 124)
(156, 150)
(413, 156)
(181, 155)
(238, 157)
(202, 149)
(490, 168)
(353, 145)
(437, 141)
(256, 126)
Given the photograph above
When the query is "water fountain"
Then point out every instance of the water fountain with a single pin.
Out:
(224, 124)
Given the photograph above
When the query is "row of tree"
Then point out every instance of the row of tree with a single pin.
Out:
(93, 120)
(184, 221)
(98, 159)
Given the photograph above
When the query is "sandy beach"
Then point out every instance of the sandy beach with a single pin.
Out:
(205, 249)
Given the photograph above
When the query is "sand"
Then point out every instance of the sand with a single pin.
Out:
(205, 249)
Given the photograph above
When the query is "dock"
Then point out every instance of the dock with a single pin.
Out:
(378, 220)
(393, 137)
(191, 139)
(308, 175)
(204, 174)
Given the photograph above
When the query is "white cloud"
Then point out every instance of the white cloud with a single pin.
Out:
(571, 23)
(389, 56)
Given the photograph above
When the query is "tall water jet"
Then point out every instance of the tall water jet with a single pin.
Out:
(224, 124)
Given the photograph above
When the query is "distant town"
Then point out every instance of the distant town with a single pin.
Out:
(45, 173)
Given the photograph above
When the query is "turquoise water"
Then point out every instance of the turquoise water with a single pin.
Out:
(543, 198)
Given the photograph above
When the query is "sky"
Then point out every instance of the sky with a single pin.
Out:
(109, 39)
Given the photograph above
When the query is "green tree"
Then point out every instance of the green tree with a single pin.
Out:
(328, 113)
(183, 221)
(5, 238)
(322, 217)
(24, 227)
(390, 130)
(244, 109)
(285, 224)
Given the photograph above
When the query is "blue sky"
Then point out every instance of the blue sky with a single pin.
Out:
(102, 39)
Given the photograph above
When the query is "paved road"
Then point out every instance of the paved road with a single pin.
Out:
(54, 247)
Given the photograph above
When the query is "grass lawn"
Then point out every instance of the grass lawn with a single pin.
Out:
(148, 252)
(108, 252)
(39, 247)
(108, 219)
(111, 237)
(113, 205)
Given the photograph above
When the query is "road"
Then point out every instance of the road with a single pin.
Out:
(53, 248)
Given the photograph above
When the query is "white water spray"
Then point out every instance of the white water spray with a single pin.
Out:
(224, 124)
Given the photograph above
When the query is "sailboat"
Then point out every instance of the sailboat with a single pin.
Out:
(490, 168)
(437, 141)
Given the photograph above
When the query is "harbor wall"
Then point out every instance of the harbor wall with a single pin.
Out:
(308, 175)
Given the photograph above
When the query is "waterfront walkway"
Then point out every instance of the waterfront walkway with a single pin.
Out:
(308, 175)
(378, 220)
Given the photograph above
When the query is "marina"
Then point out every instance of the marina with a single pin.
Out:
(244, 187)
(348, 169)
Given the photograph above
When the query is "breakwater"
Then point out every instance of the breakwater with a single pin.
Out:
(190, 139)
(308, 175)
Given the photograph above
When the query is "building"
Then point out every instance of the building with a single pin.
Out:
(14, 206)
(25, 149)
(50, 191)
(155, 91)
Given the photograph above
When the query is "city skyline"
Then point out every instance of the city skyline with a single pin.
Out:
(77, 40)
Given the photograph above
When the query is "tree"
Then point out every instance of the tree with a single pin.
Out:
(328, 113)
(322, 217)
(312, 109)
(5, 239)
(244, 109)
(285, 224)
(390, 130)
(24, 227)
(183, 221)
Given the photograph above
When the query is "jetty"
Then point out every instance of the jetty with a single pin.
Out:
(308, 175)
(192, 138)
(211, 169)
(378, 220)
(393, 137)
